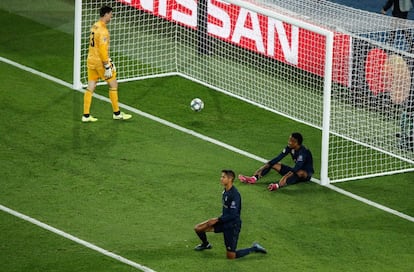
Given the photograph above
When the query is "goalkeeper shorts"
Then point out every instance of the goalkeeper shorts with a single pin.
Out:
(99, 73)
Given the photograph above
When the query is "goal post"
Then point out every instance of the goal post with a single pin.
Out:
(77, 47)
(317, 63)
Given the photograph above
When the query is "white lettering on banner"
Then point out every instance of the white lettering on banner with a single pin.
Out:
(184, 18)
(147, 5)
(289, 52)
(223, 31)
(162, 7)
(247, 26)
(256, 32)
(253, 33)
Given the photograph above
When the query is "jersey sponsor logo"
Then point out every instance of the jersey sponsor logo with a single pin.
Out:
(233, 205)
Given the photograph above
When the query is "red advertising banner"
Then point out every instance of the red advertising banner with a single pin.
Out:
(273, 38)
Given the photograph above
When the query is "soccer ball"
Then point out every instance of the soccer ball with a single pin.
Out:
(197, 104)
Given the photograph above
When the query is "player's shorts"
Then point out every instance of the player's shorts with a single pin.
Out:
(94, 74)
(231, 234)
(286, 169)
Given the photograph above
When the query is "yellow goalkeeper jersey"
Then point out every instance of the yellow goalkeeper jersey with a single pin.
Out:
(98, 45)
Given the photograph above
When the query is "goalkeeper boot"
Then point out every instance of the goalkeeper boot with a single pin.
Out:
(258, 248)
(88, 118)
(246, 179)
(203, 246)
(121, 116)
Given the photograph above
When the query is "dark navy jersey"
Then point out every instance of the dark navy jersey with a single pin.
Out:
(302, 158)
(231, 207)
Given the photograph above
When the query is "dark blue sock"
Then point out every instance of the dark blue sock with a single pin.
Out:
(265, 171)
(243, 252)
(292, 180)
(203, 237)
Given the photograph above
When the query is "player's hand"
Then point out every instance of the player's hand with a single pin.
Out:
(112, 65)
(108, 70)
(273, 187)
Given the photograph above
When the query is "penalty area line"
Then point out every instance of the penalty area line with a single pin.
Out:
(75, 239)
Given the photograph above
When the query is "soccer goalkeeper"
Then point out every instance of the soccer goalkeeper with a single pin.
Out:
(100, 66)
(301, 171)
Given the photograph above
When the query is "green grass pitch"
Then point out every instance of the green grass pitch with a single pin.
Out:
(138, 188)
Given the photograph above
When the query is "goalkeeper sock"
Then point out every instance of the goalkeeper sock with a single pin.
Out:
(87, 101)
(113, 95)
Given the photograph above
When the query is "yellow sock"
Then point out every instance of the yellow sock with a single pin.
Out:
(87, 101)
(113, 95)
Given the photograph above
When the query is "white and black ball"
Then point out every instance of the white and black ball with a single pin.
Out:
(197, 104)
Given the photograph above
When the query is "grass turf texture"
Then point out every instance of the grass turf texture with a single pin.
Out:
(138, 188)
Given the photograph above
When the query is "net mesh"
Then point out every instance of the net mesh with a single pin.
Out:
(280, 67)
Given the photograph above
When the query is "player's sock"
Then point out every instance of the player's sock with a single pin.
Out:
(87, 101)
(265, 171)
(203, 237)
(292, 180)
(113, 95)
(243, 252)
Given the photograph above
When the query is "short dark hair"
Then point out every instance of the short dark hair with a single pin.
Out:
(104, 10)
(229, 173)
(298, 137)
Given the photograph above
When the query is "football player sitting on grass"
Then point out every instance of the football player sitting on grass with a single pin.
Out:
(301, 171)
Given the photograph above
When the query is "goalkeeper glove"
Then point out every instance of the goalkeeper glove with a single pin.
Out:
(112, 65)
(108, 70)
(273, 187)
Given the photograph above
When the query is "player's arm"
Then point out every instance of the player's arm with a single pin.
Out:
(259, 172)
(262, 171)
(103, 49)
(279, 157)
(300, 162)
(298, 166)
(103, 46)
(283, 180)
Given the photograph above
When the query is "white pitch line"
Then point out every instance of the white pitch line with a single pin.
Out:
(33, 71)
(75, 239)
(188, 131)
(371, 203)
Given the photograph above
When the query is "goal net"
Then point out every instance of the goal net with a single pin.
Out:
(345, 71)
